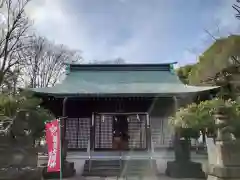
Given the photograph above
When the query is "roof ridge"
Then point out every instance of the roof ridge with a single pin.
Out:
(120, 64)
(121, 67)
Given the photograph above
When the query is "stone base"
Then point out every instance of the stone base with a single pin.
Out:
(184, 170)
(67, 171)
(15, 174)
(224, 173)
(215, 178)
(218, 178)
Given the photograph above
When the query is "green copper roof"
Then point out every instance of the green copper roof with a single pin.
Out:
(120, 79)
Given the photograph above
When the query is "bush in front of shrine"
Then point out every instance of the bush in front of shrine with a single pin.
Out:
(30, 105)
(200, 117)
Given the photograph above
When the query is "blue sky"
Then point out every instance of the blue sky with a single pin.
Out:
(139, 31)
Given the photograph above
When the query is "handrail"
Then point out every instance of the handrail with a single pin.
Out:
(152, 152)
(89, 154)
(152, 146)
(120, 159)
(89, 146)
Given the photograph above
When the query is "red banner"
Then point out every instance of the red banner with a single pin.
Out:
(53, 143)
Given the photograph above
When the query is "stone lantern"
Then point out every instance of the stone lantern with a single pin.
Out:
(227, 164)
(182, 166)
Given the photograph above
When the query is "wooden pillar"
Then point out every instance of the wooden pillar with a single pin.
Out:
(140, 127)
(175, 134)
(100, 131)
(148, 137)
(64, 143)
(92, 132)
(176, 105)
(64, 119)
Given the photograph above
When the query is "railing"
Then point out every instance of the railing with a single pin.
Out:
(89, 155)
(120, 159)
(152, 152)
(152, 145)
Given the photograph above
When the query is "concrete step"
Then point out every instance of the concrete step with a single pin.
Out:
(104, 162)
(120, 168)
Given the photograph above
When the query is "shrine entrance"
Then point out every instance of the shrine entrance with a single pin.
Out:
(120, 131)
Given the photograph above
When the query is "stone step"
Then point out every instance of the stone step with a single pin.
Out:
(111, 173)
(115, 168)
(101, 173)
(104, 162)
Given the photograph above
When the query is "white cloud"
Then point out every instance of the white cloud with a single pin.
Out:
(46, 10)
(2, 19)
(97, 28)
(81, 32)
(52, 20)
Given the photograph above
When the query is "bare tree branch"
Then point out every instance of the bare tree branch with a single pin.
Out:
(45, 61)
(236, 7)
(13, 34)
(210, 34)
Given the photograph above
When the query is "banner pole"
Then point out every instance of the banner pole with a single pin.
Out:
(61, 175)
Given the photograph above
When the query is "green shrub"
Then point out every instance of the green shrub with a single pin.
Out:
(201, 116)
